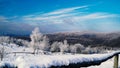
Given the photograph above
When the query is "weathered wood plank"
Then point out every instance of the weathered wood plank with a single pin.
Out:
(116, 58)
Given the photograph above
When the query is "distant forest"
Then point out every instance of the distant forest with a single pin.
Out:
(86, 39)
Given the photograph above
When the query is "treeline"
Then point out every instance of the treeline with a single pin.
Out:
(94, 40)
(42, 43)
(8, 40)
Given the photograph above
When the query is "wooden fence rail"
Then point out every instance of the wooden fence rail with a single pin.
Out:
(116, 60)
(84, 64)
(92, 63)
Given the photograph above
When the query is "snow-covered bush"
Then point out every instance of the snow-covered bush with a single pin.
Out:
(38, 41)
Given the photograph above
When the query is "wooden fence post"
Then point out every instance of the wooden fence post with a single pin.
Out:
(116, 58)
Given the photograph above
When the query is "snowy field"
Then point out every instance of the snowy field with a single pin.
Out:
(45, 61)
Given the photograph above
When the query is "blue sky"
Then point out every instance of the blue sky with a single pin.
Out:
(22, 16)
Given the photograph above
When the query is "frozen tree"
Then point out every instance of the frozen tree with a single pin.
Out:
(38, 41)
(21, 42)
(4, 39)
(79, 47)
(91, 50)
(61, 47)
(73, 49)
(35, 39)
(2, 52)
(76, 48)
(55, 47)
(87, 50)
(8, 40)
(44, 44)
(64, 46)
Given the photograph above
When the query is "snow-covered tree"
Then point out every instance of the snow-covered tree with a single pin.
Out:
(79, 47)
(4, 39)
(64, 46)
(73, 49)
(76, 48)
(38, 40)
(87, 50)
(55, 47)
(91, 50)
(2, 52)
(44, 44)
(35, 39)
(8, 40)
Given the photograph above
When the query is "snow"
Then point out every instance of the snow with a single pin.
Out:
(108, 64)
(45, 61)
(20, 62)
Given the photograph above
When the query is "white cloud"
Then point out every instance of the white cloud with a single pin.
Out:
(47, 17)
(66, 10)
(94, 16)
(68, 15)
(56, 16)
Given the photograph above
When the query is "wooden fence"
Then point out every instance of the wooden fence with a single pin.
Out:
(92, 63)
(84, 64)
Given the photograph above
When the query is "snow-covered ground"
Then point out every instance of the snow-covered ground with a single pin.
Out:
(27, 61)
(106, 64)
(44, 61)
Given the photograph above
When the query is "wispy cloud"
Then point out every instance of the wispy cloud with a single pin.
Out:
(73, 14)
(56, 16)
(94, 16)
(66, 10)
(61, 16)
(42, 17)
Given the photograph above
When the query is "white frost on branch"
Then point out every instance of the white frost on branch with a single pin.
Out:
(38, 41)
